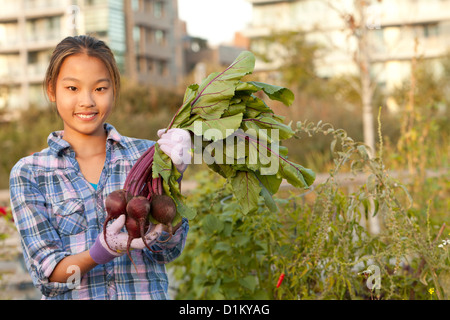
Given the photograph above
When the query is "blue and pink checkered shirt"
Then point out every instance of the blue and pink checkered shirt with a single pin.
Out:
(59, 213)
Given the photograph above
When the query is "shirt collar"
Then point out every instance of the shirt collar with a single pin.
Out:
(58, 145)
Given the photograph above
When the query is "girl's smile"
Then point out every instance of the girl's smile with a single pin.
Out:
(86, 116)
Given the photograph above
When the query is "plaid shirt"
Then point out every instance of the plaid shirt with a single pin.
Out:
(59, 213)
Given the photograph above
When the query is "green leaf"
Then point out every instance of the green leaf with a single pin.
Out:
(211, 223)
(271, 182)
(296, 175)
(275, 92)
(249, 282)
(225, 170)
(269, 124)
(377, 207)
(162, 164)
(246, 87)
(255, 106)
(184, 210)
(222, 246)
(363, 152)
(268, 199)
(423, 277)
(366, 205)
(172, 189)
(246, 189)
(183, 114)
(216, 129)
(408, 195)
(216, 91)
(235, 109)
(215, 288)
(190, 121)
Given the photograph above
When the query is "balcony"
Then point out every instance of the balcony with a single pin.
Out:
(44, 8)
(397, 13)
(144, 19)
(10, 44)
(43, 40)
(10, 10)
(157, 80)
(155, 51)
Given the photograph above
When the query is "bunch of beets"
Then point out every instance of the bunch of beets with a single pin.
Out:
(140, 200)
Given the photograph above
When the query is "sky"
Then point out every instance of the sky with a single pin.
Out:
(214, 20)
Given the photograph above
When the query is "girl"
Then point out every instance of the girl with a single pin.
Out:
(57, 195)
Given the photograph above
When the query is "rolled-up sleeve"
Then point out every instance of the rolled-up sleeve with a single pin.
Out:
(41, 244)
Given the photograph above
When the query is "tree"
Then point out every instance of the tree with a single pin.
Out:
(357, 24)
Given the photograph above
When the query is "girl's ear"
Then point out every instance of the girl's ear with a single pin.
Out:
(51, 94)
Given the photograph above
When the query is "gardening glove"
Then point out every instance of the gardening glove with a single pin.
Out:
(117, 241)
(176, 143)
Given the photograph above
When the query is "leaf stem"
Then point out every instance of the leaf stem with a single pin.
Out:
(264, 122)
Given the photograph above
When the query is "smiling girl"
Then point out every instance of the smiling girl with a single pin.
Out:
(57, 195)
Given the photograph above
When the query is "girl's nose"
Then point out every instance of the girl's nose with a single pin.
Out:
(86, 100)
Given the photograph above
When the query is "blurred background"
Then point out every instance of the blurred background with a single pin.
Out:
(378, 69)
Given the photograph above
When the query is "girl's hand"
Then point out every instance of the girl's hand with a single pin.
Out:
(176, 143)
(117, 241)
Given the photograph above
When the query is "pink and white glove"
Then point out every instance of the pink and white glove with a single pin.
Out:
(176, 143)
(117, 241)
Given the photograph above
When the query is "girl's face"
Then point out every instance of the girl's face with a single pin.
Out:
(84, 95)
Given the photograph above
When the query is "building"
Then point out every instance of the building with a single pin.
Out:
(143, 34)
(28, 32)
(397, 31)
(154, 42)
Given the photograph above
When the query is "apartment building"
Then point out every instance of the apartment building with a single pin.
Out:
(397, 30)
(154, 42)
(143, 35)
(29, 29)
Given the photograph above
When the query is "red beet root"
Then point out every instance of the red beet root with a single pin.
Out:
(164, 210)
(137, 224)
(133, 232)
(138, 208)
(116, 204)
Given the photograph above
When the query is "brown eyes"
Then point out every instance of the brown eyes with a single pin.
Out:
(100, 89)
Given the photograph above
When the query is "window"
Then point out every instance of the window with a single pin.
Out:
(137, 38)
(149, 65)
(135, 5)
(158, 9)
(32, 57)
(159, 37)
(430, 30)
(161, 68)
